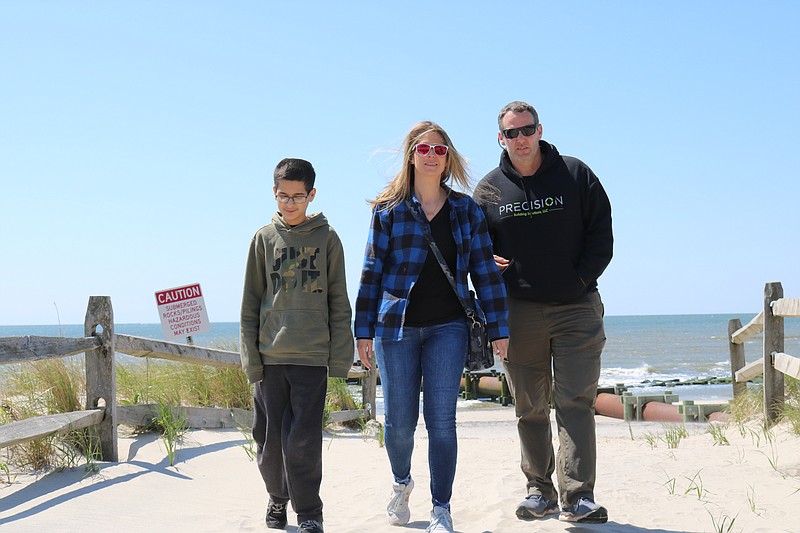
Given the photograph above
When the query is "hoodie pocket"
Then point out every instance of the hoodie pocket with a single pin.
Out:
(550, 279)
(294, 332)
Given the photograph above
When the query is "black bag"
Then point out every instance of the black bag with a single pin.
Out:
(479, 351)
(479, 347)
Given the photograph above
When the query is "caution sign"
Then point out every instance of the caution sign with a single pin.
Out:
(183, 312)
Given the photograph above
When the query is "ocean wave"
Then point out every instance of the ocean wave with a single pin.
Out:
(646, 373)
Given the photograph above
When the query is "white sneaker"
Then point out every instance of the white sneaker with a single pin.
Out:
(441, 521)
(398, 512)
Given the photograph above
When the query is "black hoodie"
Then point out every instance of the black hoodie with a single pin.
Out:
(555, 226)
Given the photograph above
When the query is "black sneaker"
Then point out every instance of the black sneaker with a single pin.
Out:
(586, 511)
(276, 515)
(311, 526)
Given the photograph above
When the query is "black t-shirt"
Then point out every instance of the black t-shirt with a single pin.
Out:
(432, 300)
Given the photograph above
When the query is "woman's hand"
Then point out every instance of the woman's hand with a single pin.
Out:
(500, 347)
(365, 351)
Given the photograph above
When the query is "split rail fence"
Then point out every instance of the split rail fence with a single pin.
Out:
(773, 363)
(99, 345)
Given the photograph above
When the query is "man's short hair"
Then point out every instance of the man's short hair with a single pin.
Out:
(516, 107)
(293, 169)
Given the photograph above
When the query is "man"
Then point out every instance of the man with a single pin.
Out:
(550, 223)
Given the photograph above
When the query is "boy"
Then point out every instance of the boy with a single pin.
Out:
(295, 328)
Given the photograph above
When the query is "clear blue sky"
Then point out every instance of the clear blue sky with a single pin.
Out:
(137, 140)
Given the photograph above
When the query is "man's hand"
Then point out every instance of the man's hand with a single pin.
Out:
(500, 348)
(501, 262)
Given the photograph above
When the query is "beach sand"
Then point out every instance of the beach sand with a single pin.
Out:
(214, 487)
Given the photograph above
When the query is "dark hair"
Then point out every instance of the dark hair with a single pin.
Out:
(292, 169)
(516, 107)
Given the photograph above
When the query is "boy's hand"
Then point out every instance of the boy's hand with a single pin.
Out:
(365, 351)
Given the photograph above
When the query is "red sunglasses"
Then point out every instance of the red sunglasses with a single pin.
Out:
(424, 148)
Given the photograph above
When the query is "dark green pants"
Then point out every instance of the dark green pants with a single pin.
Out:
(554, 351)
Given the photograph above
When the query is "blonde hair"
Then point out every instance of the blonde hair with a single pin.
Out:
(399, 189)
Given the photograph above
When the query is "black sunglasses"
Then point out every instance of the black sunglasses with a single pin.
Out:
(527, 131)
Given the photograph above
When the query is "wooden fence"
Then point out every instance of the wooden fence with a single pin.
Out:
(99, 345)
(774, 363)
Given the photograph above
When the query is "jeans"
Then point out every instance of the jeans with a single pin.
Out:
(433, 356)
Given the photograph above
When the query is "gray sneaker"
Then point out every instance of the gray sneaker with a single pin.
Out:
(584, 510)
(397, 510)
(441, 521)
(536, 506)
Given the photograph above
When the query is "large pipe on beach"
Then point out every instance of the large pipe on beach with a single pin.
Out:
(661, 412)
(490, 385)
(609, 405)
(486, 386)
(606, 404)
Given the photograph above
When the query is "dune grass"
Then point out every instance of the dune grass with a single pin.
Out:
(182, 384)
(749, 407)
(54, 386)
(45, 387)
(339, 398)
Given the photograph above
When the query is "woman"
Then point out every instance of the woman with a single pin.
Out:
(406, 304)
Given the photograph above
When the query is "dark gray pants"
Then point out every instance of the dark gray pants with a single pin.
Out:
(554, 350)
(287, 428)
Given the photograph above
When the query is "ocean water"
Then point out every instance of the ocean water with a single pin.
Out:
(642, 349)
(639, 349)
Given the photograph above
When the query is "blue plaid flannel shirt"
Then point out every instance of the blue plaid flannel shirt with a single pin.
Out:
(396, 251)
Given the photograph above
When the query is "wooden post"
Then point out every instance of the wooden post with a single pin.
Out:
(366, 401)
(737, 357)
(101, 382)
(773, 343)
(369, 385)
(507, 398)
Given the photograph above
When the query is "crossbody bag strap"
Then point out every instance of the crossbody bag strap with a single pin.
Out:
(426, 232)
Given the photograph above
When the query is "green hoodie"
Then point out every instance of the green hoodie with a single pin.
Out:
(295, 309)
